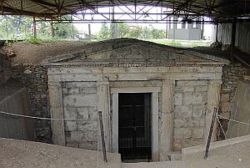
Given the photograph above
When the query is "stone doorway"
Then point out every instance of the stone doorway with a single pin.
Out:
(135, 126)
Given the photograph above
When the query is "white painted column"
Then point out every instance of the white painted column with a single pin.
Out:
(213, 100)
(104, 106)
(56, 111)
(166, 135)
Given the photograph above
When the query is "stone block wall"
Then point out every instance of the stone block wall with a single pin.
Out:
(4, 67)
(80, 106)
(34, 78)
(232, 74)
(189, 113)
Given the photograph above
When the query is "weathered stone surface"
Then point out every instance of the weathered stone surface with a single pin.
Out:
(81, 100)
(76, 136)
(70, 126)
(179, 123)
(91, 145)
(198, 111)
(36, 83)
(198, 133)
(201, 88)
(225, 106)
(190, 99)
(178, 144)
(72, 144)
(80, 104)
(191, 83)
(225, 97)
(183, 111)
(83, 113)
(179, 133)
(189, 119)
(70, 113)
(178, 99)
(187, 133)
(87, 125)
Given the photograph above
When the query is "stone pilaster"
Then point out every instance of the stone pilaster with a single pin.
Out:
(213, 99)
(103, 94)
(56, 111)
(166, 135)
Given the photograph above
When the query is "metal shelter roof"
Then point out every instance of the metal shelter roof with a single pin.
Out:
(217, 9)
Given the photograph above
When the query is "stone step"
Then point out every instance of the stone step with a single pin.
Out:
(167, 164)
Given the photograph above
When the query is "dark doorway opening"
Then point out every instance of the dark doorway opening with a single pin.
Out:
(135, 126)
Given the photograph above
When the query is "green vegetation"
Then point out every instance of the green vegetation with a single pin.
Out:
(34, 40)
(181, 43)
(126, 31)
(21, 28)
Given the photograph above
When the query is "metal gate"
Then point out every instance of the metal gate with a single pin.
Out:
(135, 126)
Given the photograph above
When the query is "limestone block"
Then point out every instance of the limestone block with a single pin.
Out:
(87, 125)
(198, 111)
(93, 114)
(70, 113)
(202, 88)
(192, 142)
(191, 83)
(181, 89)
(196, 122)
(79, 84)
(202, 123)
(89, 136)
(187, 133)
(183, 111)
(179, 123)
(179, 133)
(198, 133)
(178, 99)
(177, 144)
(189, 123)
(70, 126)
(193, 98)
(72, 144)
(72, 90)
(88, 90)
(76, 136)
(83, 113)
(81, 100)
(90, 145)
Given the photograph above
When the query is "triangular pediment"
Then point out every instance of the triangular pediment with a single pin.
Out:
(132, 51)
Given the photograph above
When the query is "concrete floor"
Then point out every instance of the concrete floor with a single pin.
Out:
(233, 153)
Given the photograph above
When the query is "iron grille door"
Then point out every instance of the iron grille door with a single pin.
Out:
(135, 126)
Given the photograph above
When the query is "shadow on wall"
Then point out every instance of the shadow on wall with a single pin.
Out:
(14, 100)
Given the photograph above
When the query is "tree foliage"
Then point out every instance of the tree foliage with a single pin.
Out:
(21, 27)
(126, 31)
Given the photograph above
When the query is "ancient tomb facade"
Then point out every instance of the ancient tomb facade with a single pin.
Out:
(156, 98)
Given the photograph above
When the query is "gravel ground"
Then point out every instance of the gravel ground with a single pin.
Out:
(26, 154)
